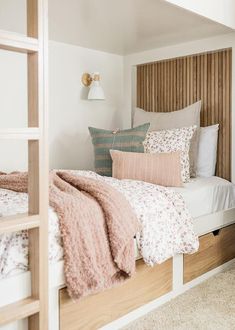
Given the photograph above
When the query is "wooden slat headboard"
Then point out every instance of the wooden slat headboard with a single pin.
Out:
(173, 84)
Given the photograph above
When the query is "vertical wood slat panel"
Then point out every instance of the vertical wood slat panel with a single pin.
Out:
(153, 88)
(204, 109)
(176, 83)
(172, 68)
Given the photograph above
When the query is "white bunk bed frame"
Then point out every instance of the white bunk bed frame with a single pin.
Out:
(14, 302)
(33, 305)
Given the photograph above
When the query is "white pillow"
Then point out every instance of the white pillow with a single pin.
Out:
(207, 151)
(186, 117)
(173, 140)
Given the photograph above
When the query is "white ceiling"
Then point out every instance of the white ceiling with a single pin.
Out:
(126, 26)
(116, 26)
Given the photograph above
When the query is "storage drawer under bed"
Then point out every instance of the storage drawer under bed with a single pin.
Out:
(215, 249)
(94, 311)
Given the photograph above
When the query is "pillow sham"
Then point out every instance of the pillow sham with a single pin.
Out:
(161, 168)
(207, 151)
(126, 140)
(177, 139)
(186, 117)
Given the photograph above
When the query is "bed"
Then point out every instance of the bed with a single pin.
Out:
(211, 201)
(213, 222)
(203, 196)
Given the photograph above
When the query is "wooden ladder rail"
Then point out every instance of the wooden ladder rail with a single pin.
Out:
(35, 45)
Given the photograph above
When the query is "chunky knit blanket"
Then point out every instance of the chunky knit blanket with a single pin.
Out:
(97, 227)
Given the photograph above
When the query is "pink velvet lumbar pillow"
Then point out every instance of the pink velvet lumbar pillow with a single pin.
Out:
(160, 168)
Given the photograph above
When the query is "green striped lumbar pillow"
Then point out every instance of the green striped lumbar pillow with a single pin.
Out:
(125, 140)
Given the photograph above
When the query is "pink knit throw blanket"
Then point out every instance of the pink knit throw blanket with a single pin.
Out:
(97, 227)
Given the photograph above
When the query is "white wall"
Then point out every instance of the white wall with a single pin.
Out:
(222, 11)
(13, 15)
(70, 113)
(189, 48)
(13, 108)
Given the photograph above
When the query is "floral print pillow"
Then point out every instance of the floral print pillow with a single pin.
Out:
(172, 140)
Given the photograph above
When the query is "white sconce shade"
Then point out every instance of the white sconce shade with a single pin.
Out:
(96, 91)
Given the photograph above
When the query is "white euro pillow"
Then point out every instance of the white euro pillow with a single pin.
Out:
(207, 151)
(186, 117)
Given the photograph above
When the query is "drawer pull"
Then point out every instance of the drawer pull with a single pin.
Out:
(216, 232)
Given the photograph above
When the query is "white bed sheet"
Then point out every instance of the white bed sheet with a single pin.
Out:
(208, 195)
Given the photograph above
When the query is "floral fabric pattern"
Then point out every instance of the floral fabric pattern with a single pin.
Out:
(167, 226)
(14, 246)
(172, 140)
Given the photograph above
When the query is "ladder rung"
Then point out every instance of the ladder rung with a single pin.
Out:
(18, 310)
(18, 42)
(30, 133)
(18, 222)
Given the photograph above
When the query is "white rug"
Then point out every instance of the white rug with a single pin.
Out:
(209, 306)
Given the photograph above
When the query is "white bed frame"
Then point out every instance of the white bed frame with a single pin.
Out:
(18, 287)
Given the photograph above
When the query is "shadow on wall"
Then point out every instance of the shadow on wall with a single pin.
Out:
(70, 143)
(72, 151)
(84, 93)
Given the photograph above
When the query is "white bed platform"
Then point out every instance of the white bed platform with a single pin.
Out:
(18, 287)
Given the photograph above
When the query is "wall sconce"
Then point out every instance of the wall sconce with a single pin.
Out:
(93, 81)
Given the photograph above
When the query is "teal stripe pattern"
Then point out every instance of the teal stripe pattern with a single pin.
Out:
(130, 140)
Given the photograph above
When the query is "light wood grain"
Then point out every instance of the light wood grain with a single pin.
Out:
(33, 90)
(34, 18)
(182, 81)
(18, 222)
(34, 264)
(34, 158)
(94, 311)
(18, 310)
(213, 252)
(37, 15)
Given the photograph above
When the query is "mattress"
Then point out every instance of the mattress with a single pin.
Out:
(202, 196)
(208, 195)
